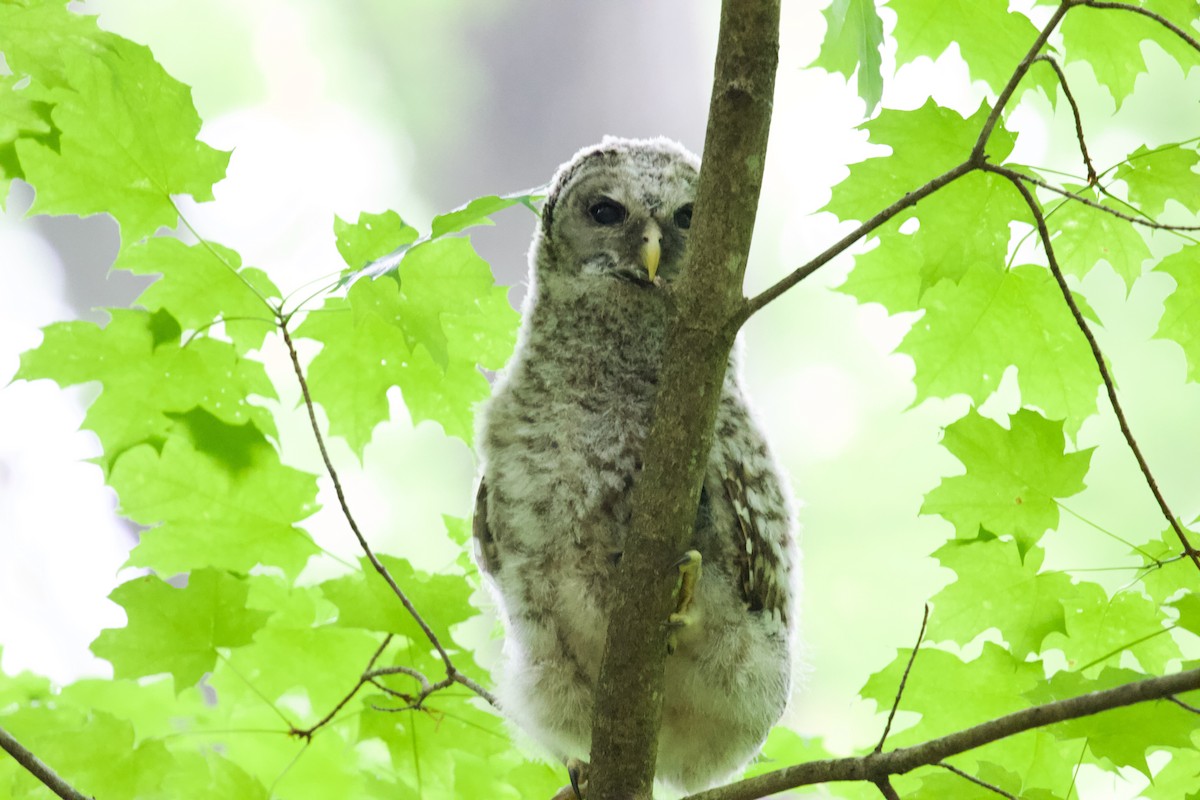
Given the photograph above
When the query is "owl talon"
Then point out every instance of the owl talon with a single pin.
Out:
(689, 567)
(577, 772)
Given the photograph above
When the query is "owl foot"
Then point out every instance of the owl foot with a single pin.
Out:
(577, 772)
(689, 573)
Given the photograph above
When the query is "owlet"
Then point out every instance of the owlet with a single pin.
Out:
(561, 442)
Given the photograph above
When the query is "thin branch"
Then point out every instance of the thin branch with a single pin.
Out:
(978, 151)
(451, 671)
(903, 680)
(1145, 12)
(1183, 705)
(306, 733)
(487, 696)
(1013, 174)
(1139, 212)
(1066, 88)
(910, 199)
(968, 776)
(873, 766)
(1109, 386)
(38, 768)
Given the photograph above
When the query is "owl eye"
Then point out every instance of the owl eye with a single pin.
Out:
(683, 217)
(607, 212)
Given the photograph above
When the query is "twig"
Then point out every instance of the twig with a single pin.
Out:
(451, 671)
(903, 680)
(1183, 705)
(1109, 386)
(1013, 174)
(897, 762)
(910, 199)
(976, 781)
(306, 733)
(39, 768)
(1145, 12)
(1062, 81)
(977, 152)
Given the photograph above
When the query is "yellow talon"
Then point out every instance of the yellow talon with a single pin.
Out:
(689, 572)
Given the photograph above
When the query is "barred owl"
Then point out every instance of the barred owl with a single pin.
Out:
(561, 444)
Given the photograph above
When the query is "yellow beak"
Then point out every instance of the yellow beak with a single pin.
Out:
(651, 247)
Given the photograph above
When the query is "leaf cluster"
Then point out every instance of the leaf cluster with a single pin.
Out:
(253, 663)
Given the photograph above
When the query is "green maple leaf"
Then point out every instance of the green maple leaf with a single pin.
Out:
(974, 330)
(925, 143)
(37, 35)
(234, 508)
(1110, 41)
(1101, 628)
(1122, 735)
(457, 751)
(178, 630)
(1178, 779)
(1164, 573)
(21, 116)
(425, 329)
(364, 600)
(951, 694)
(122, 151)
(939, 784)
(322, 662)
(1188, 607)
(1162, 174)
(1181, 310)
(853, 36)
(373, 236)
(998, 587)
(135, 350)
(991, 40)
(1013, 477)
(152, 707)
(87, 749)
(201, 283)
(211, 777)
(897, 273)
(1083, 236)
(479, 212)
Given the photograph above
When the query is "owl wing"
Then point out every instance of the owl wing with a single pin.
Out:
(760, 566)
(486, 552)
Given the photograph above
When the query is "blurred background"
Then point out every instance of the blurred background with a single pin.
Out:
(421, 105)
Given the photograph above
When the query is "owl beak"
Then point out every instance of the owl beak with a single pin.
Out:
(651, 247)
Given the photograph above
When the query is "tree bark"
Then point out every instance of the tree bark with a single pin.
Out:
(707, 310)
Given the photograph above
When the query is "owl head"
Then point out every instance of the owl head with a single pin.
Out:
(618, 212)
